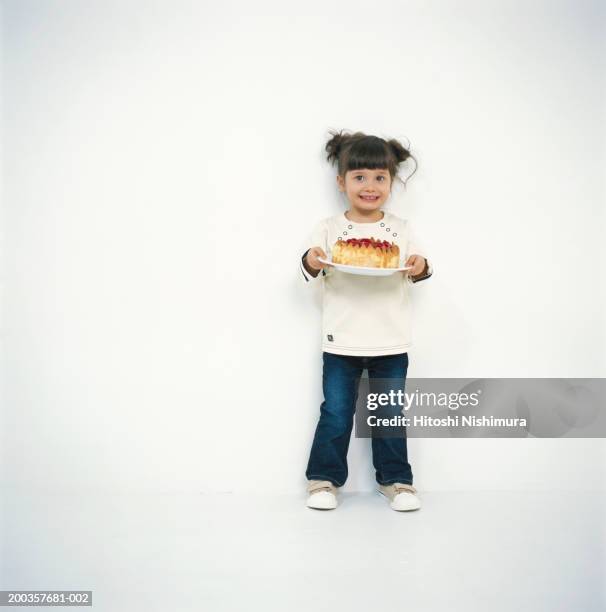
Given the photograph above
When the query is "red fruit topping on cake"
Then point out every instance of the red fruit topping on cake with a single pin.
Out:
(368, 242)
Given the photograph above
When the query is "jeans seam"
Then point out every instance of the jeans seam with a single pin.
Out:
(394, 481)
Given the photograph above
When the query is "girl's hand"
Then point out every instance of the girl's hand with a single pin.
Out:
(418, 265)
(312, 258)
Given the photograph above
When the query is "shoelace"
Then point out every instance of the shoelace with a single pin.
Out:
(401, 488)
(318, 487)
(329, 489)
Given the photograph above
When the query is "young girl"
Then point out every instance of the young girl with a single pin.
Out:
(366, 319)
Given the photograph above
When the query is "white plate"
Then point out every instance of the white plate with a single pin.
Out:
(364, 271)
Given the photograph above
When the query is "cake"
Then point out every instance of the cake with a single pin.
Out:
(366, 252)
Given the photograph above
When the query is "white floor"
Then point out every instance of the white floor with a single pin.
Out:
(491, 552)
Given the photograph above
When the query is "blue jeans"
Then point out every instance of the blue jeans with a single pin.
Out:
(340, 380)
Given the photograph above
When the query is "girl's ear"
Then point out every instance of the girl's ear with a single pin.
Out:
(340, 182)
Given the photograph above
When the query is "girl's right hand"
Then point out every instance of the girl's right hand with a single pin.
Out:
(312, 258)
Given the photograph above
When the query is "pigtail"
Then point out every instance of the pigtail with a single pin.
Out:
(335, 145)
(401, 154)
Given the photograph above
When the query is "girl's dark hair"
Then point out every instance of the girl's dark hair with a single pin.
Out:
(358, 150)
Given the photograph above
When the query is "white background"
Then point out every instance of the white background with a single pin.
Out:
(163, 165)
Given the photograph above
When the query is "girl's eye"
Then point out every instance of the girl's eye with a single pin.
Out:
(360, 176)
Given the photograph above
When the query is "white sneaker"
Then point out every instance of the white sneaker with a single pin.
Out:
(322, 495)
(402, 496)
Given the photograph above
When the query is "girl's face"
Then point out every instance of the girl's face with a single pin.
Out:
(367, 190)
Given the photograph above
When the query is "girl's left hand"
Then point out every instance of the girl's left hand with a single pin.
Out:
(418, 264)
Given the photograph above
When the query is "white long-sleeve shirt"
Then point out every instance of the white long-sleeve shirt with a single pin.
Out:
(364, 315)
